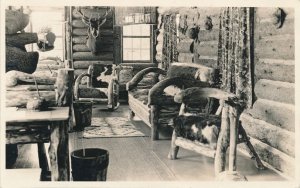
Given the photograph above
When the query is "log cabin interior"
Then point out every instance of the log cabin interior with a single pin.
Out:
(98, 93)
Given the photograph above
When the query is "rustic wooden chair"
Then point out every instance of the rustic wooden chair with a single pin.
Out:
(101, 86)
(152, 99)
(226, 115)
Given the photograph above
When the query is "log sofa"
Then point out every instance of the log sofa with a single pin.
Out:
(151, 92)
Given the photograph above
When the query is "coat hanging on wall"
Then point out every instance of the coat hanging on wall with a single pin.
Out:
(235, 51)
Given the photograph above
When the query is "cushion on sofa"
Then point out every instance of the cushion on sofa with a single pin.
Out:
(192, 71)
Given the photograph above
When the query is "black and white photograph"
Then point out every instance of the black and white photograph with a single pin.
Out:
(126, 95)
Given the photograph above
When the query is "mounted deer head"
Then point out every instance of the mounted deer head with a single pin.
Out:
(94, 39)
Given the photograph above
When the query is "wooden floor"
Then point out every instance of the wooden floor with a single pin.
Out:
(140, 159)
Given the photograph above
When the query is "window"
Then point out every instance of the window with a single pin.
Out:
(52, 18)
(137, 43)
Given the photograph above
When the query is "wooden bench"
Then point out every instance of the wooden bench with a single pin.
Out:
(151, 92)
(227, 116)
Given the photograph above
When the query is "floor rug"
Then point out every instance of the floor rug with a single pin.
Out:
(111, 127)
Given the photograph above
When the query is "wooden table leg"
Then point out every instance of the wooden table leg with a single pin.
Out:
(59, 152)
(223, 142)
(43, 162)
(233, 115)
(174, 149)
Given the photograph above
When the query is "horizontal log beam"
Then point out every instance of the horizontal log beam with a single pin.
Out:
(79, 24)
(272, 69)
(31, 88)
(42, 67)
(207, 61)
(78, 72)
(207, 48)
(276, 137)
(83, 39)
(267, 28)
(32, 137)
(194, 146)
(185, 46)
(186, 57)
(49, 62)
(83, 32)
(84, 48)
(106, 56)
(86, 64)
(277, 159)
(276, 47)
(275, 113)
(14, 98)
(14, 78)
(263, 13)
(275, 91)
(206, 35)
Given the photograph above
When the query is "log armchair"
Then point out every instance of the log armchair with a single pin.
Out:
(225, 117)
(101, 86)
(152, 98)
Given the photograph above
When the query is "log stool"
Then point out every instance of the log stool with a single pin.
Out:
(231, 132)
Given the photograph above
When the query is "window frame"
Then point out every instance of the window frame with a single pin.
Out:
(151, 47)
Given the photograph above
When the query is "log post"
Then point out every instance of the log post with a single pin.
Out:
(43, 162)
(223, 142)
(59, 152)
(154, 122)
(233, 115)
(252, 151)
(59, 148)
(182, 109)
(68, 38)
(69, 64)
(64, 87)
(174, 148)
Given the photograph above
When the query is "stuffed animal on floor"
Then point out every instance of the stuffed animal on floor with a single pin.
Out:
(198, 128)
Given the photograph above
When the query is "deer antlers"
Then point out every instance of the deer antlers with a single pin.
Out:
(94, 23)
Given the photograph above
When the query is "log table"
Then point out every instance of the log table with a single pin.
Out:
(23, 127)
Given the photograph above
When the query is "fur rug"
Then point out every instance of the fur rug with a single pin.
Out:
(111, 127)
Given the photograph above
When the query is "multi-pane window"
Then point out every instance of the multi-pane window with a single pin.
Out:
(53, 19)
(137, 42)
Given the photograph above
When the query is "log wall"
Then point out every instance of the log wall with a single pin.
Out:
(271, 121)
(204, 51)
(81, 56)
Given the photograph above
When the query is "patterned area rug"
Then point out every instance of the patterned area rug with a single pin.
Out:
(111, 127)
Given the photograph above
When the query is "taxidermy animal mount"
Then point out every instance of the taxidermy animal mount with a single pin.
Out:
(94, 38)
(279, 17)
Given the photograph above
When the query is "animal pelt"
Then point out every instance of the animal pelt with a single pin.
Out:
(104, 77)
(204, 128)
